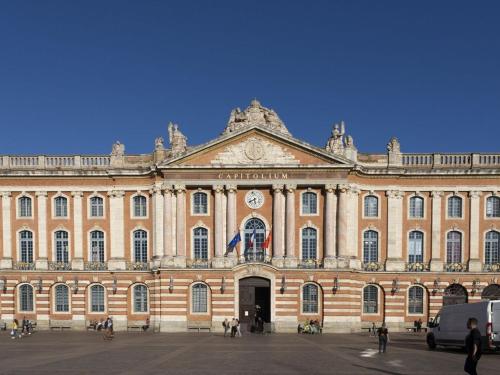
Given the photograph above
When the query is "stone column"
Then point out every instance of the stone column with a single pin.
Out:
(231, 225)
(218, 260)
(168, 257)
(347, 234)
(343, 217)
(395, 261)
(474, 261)
(180, 226)
(158, 224)
(41, 262)
(353, 227)
(117, 230)
(6, 261)
(330, 231)
(278, 250)
(291, 259)
(436, 261)
(77, 260)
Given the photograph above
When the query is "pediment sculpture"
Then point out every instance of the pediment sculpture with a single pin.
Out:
(178, 141)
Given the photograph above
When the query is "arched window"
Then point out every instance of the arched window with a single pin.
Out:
(255, 234)
(491, 292)
(25, 297)
(26, 246)
(140, 206)
(416, 300)
(493, 207)
(454, 207)
(199, 298)
(96, 207)
(491, 250)
(309, 243)
(200, 203)
(415, 247)
(416, 207)
(309, 203)
(371, 206)
(61, 244)
(310, 299)
(370, 246)
(200, 243)
(454, 294)
(140, 246)
(140, 298)
(97, 298)
(25, 209)
(97, 246)
(454, 247)
(61, 207)
(370, 299)
(62, 298)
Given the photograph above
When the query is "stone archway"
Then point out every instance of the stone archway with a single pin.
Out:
(491, 292)
(255, 302)
(454, 294)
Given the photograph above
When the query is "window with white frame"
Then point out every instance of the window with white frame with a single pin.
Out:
(97, 246)
(370, 299)
(26, 246)
(454, 207)
(25, 208)
(309, 243)
(493, 207)
(140, 206)
(96, 207)
(60, 207)
(416, 300)
(371, 206)
(416, 207)
(491, 249)
(140, 246)
(415, 247)
(370, 246)
(97, 298)
(199, 298)
(140, 299)
(310, 299)
(62, 298)
(454, 247)
(200, 203)
(25, 297)
(309, 203)
(200, 243)
(61, 244)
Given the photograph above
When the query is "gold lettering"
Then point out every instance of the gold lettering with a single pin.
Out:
(219, 176)
(284, 175)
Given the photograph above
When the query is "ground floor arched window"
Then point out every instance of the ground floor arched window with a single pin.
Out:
(61, 298)
(97, 298)
(370, 299)
(491, 292)
(26, 298)
(454, 294)
(199, 298)
(416, 300)
(310, 299)
(140, 299)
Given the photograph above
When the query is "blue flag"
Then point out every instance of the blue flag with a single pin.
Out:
(231, 245)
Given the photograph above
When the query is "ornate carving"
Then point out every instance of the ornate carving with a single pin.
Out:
(218, 188)
(338, 142)
(41, 194)
(118, 149)
(159, 146)
(116, 193)
(179, 188)
(255, 115)
(395, 194)
(394, 146)
(178, 141)
(475, 194)
(231, 188)
(255, 149)
(290, 188)
(437, 194)
(330, 188)
(278, 188)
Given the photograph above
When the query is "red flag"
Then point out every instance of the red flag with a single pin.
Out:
(265, 244)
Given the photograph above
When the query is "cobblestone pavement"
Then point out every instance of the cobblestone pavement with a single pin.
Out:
(204, 353)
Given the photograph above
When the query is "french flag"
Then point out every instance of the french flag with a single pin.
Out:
(252, 238)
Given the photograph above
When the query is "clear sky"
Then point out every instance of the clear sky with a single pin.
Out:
(75, 76)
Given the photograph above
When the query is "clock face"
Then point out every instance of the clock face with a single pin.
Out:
(254, 199)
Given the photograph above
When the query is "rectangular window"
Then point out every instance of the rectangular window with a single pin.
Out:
(62, 303)
(199, 298)
(97, 299)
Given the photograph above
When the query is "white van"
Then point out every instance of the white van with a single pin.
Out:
(449, 328)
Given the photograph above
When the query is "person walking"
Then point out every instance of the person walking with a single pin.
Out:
(233, 327)
(13, 332)
(238, 329)
(225, 324)
(373, 330)
(473, 347)
(383, 337)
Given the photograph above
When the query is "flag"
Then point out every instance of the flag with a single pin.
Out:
(231, 245)
(265, 244)
(252, 238)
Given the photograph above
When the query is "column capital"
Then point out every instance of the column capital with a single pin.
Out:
(116, 193)
(395, 194)
(437, 194)
(290, 188)
(330, 188)
(475, 194)
(180, 188)
(5, 194)
(231, 188)
(167, 187)
(278, 188)
(41, 194)
(349, 188)
(218, 188)
(77, 194)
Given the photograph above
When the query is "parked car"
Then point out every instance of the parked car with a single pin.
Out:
(449, 328)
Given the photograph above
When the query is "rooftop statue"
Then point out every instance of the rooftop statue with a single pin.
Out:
(335, 143)
(393, 146)
(255, 114)
(159, 143)
(118, 149)
(178, 141)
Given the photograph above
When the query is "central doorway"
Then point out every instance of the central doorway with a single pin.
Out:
(255, 303)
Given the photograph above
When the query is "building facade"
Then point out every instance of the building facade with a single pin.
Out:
(326, 233)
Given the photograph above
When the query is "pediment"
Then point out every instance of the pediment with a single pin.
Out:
(255, 147)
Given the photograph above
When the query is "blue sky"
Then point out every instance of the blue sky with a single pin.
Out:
(77, 75)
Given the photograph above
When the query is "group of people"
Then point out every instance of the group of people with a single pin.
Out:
(105, 325)
(310, 326)
(18, 331)
(417, 325)
(232, 326)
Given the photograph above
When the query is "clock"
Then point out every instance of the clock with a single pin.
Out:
(254, 199)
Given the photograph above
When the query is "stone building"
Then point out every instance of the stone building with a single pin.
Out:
(327, 233)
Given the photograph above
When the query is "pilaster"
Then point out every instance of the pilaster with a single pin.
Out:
(330, 232)
(158, 223)
(41, 261)
(77, 260)
(117, 230)
(231, 227)
(474, 261)
(168, 258)
(278, 250)
(218, 261)
(436, 261)
(180, 227)
(6, 261)
(395, 260)
(291, 259)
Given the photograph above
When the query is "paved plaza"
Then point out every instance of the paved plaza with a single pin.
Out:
(204, 353)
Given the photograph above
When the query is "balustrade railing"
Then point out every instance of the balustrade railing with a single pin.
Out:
(451, 160)
(137, 266)
(23, 266)
(95, 266)
(310, 263)
(373, 266)
(417, 267)
(455, 267)
(491, 267)
(198, 263)
(59, 266)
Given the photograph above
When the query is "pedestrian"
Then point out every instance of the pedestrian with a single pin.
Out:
(13, 332)
(24, 327)
(419, 326)
(374, 329)
(225, 324)
(473, 347)
(383, 337)
(233, 327)
(110, 328)
(238, 329)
